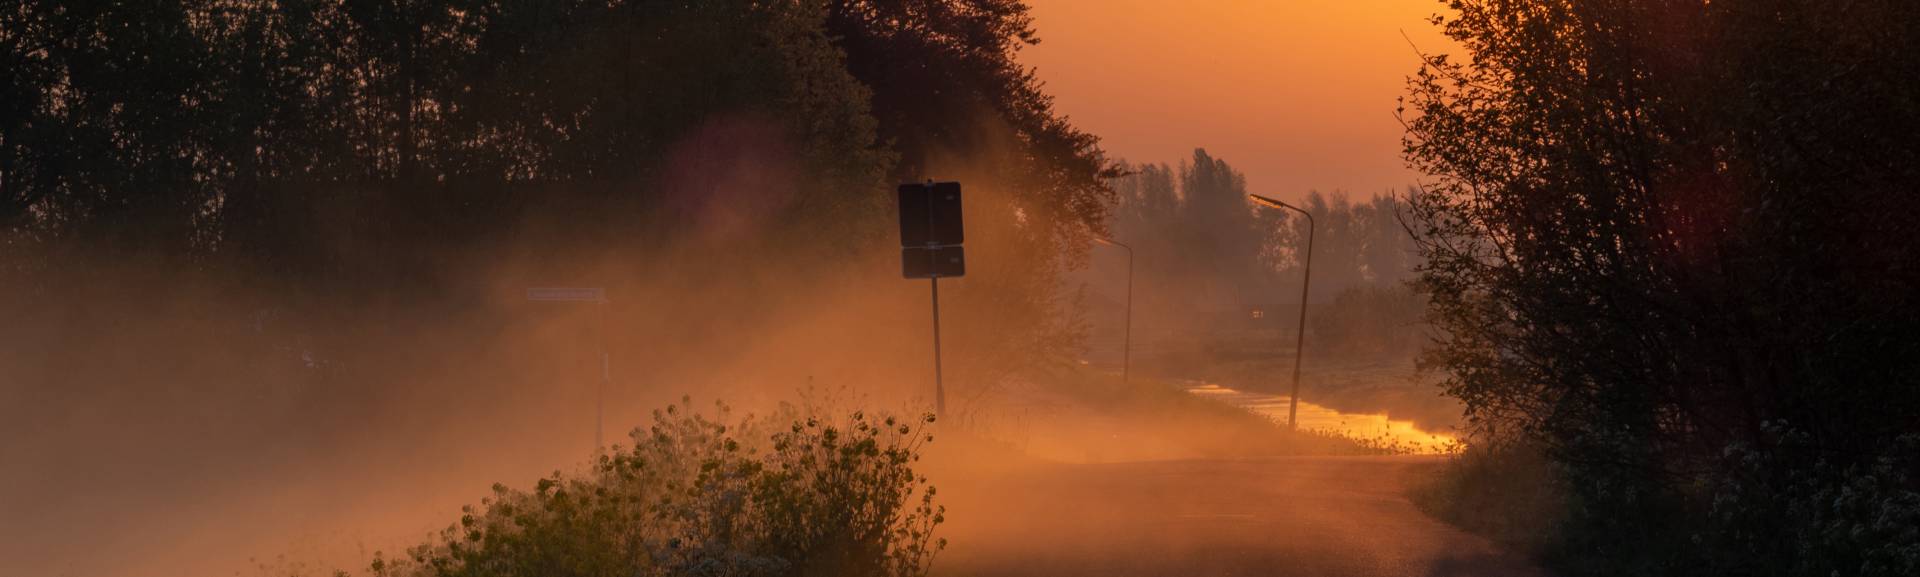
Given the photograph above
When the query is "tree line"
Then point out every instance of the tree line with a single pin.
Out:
(351, 155)
(1204, 249)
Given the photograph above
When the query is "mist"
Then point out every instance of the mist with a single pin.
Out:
(180, 422)
(1627, 290)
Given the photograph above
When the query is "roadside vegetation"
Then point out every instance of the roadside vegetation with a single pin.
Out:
(304, 229)
(805, 491)
(1669, 250)
(1511, 493)
(320, 183)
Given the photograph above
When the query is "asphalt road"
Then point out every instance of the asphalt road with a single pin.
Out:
(1317, 516)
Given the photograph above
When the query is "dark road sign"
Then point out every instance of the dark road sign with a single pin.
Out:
(930, 214)
(930, 262)
(931, 231)
(930, 237)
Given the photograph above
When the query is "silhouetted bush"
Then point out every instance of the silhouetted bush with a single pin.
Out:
(805, 492)
(1370, 321)
(1505, 491)
(1772, 514)
(1769, 513)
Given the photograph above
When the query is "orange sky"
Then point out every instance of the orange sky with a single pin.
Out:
(1299, 94)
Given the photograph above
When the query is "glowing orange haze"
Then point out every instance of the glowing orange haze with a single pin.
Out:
(1299, 94)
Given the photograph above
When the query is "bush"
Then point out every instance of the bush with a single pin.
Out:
(1782, 509)
(1789, 511)
(1508, 492)
(1371, 321)
(802, 493)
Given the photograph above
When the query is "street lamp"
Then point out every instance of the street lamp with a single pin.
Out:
(1300, 337)
(1126, 351)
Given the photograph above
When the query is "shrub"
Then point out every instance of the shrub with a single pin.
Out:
(1787, 510)
(802, 493)
(1508, 492)
(1370, 321)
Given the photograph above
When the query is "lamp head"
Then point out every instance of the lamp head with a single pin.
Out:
(1269, 202)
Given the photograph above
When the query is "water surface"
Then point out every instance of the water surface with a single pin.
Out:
(1378, 428)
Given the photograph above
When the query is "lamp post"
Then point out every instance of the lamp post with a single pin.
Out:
(1126, 351)
(1300, 336)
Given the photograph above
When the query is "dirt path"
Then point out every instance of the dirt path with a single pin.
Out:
(1318, 516)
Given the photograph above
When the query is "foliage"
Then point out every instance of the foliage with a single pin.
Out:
(1506, 491)
(946, 81)
(1371, 321)
(1356, 243)
(336, 165)
(1205, 248)
(1655, 226)
(803, 493)
(1772, 513)
(952, 98)
(196, 127)
(1197, 236)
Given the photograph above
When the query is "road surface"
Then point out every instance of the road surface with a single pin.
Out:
(1308, 516)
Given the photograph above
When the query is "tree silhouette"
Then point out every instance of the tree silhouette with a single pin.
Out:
(323, 158)
(1660, 233)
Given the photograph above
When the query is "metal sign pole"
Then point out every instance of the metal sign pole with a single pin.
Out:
(939, 388)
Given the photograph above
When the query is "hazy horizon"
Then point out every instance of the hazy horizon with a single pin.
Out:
(1250, 81)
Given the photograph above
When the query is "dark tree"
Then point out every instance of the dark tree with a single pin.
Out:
(1660, 232)
(952, 99)
(320, 161)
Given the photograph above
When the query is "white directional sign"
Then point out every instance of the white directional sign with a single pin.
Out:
(577, 294)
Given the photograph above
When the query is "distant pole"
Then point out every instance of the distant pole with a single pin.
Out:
(606, 378)
(1126, 352)
(598, 297)
(1300, 334)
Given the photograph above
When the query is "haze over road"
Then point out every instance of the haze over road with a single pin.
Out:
(1319, 516)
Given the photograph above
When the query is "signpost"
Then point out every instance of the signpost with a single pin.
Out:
(596, 296)
(930, 237)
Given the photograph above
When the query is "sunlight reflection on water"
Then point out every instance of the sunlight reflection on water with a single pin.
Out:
(1378, 429)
